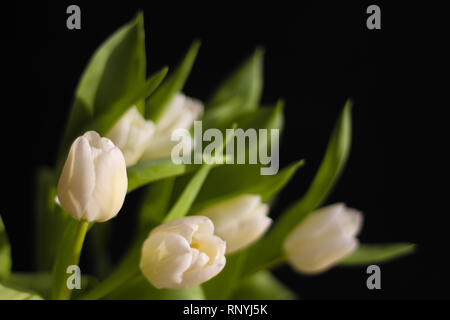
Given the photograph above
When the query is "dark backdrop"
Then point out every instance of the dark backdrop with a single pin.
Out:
(317, 55)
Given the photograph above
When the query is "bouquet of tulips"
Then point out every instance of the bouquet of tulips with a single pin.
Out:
(202, 226)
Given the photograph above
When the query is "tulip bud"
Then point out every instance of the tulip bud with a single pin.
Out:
(240, 221)
(323, 238)
(132, 134)
(93, 182)
(182, 253)
(179, 114)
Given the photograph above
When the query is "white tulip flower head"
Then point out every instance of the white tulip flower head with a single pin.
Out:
(132, 134)
(93, 182)
(323, 238)
(182, 253)
(240, 221)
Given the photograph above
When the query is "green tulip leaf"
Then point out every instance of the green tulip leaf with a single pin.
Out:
(40, 283)
(262, 286)
(104, 122)
(155, 204)
(5, 253)
(377, 253)
(9, 293)
(50, 220)
(139, 288)
(116, 67)
(269, 248)
(221, 286)
(152, 170)
(232, 180)
(240, 92)
(174, 83)
(187, 197)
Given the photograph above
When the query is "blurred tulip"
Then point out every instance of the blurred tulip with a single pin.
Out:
(132, 134)
(323, 238)
(180, 114)
(240, 221)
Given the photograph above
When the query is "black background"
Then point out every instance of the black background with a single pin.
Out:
(317, 55)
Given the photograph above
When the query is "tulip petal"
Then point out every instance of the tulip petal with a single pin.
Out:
(77, 180)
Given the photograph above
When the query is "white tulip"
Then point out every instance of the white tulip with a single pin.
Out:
(182, 253)
(132, 134)
(93, 182)
(323, 238)
(240, 221)
(179, 114)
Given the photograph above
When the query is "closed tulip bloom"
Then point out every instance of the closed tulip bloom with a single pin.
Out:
(240, 221)
(323, 238)
(132, 134)
(182, 253)
(179, 114)
(93, 182)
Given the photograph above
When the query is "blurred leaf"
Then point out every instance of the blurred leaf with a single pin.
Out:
(262, 286)
(104, 122)
(140, 289)
(221, 286)
(232, 180)
(187, 197)
(377, 253)
(49, 219)
(152, 170)
(41, 282)
(155, 203)
(128, 267)
(240, 92)
(8, 293)
(5, 253)
(97, 240)
(116, 67)
(172, 85)
(269, 248)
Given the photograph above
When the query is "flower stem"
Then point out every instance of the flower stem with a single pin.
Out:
(127, 269)
(68, 254)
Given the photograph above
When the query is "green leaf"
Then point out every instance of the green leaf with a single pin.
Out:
(184, 202)
(377, 253)
(269, 248)
(156, 199)
(5, 253)
(232, 180)
(262, 286)
(49, 220)
(153, 170)
(174, 83)
(40, 283)
(8, 293)
(116, 67)
(240, 92)
(140, 289)
(106, 121)
(221, 286)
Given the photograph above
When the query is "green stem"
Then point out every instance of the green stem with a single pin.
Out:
(128, 268)
(68, 254)
(275, 262)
